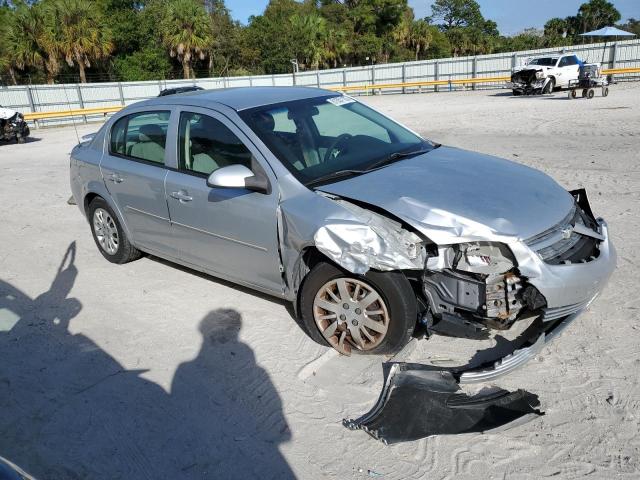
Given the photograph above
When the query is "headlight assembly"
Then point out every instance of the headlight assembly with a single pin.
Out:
(540, 75)
(485, 258)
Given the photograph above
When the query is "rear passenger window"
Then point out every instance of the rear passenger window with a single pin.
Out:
(206, 144)
(141, 136)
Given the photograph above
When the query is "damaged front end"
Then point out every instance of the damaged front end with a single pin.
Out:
(529, 81)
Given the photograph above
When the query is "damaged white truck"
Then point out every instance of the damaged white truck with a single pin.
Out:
(544, 74)
(374, 233)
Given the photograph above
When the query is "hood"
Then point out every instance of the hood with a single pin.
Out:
(452, 196)
(6, 113)
(520, 68)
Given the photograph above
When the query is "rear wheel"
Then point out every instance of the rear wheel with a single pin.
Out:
(109, 234)
(374, 313)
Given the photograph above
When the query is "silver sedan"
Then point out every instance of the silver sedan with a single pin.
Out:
(373, 232)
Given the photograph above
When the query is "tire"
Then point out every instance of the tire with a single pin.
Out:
(516, 93)
(123, 252)
(573, 94)
(550, 86)
(396, 299)
(584, 93)
(590, 93)
(605, 91)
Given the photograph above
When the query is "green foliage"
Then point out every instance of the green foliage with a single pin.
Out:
(146, 64)
(186, 32)
(55, 40)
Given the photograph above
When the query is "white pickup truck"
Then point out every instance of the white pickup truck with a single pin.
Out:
(543, 74)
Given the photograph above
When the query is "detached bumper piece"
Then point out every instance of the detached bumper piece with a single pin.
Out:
(419, 401)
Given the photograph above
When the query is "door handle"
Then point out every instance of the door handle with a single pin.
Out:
(181, 195)
(115, 178)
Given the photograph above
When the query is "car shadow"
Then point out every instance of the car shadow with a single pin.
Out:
(249, 291)
(69, 410)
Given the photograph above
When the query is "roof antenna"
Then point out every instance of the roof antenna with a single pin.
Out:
(73, 120)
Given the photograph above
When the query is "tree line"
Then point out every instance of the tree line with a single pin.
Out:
(50, 41)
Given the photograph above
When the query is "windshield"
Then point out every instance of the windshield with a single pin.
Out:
(546, 61)
(317, 137)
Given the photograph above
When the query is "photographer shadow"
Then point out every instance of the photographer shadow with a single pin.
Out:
(69, 410)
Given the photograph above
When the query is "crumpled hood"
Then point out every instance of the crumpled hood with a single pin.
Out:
(6, 113)
(452, 195)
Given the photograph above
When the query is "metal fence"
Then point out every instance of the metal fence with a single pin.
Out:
(38, 98)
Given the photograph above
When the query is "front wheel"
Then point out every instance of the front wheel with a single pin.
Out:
(374, 313)
(550, 86)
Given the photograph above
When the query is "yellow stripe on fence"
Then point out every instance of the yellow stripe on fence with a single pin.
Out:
(70, 113)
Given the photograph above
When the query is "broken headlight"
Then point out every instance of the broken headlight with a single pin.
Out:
(539, 74)
(486, 258)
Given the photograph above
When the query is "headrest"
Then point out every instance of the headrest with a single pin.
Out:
(265, 121)
(200, 142)
(150, 132)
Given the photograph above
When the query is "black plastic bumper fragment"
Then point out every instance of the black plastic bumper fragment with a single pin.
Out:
(418, 401)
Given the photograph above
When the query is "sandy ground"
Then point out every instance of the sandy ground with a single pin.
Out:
(150, 371)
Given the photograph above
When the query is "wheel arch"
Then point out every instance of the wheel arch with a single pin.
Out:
(91, 195)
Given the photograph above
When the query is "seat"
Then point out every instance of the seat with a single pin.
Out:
(150, 145)
(201, 150)
(266, 124)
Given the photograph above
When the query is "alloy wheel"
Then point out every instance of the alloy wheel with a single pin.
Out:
(106, 231)
(350, 314)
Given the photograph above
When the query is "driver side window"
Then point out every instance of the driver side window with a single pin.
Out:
(206, 144)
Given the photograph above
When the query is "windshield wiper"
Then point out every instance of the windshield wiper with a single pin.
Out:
(334, 176)
(380, 163)
(397, 156)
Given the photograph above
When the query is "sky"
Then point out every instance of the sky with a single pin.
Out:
(512, 16)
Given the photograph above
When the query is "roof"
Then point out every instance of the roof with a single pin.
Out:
(240, 98)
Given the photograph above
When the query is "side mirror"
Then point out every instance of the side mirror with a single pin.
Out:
(238, 176)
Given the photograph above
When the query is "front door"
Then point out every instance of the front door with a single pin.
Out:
(134, 173)
(230, 232)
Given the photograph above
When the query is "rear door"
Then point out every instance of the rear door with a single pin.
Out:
(231, 232)
(134, 173)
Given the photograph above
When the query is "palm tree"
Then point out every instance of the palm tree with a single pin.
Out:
(419, 37)
(83, 35)
(310, 35)
(33, 41)
(186, 31)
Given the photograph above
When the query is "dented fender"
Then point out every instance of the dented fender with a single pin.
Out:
(353, 237)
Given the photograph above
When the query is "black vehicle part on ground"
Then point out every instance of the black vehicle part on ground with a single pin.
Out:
(419, 401)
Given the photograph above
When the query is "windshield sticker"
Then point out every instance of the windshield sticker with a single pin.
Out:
(341, 100)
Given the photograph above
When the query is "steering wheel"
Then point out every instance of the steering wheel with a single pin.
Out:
(340, 139)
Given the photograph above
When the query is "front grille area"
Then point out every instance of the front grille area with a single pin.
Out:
(562, 245)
